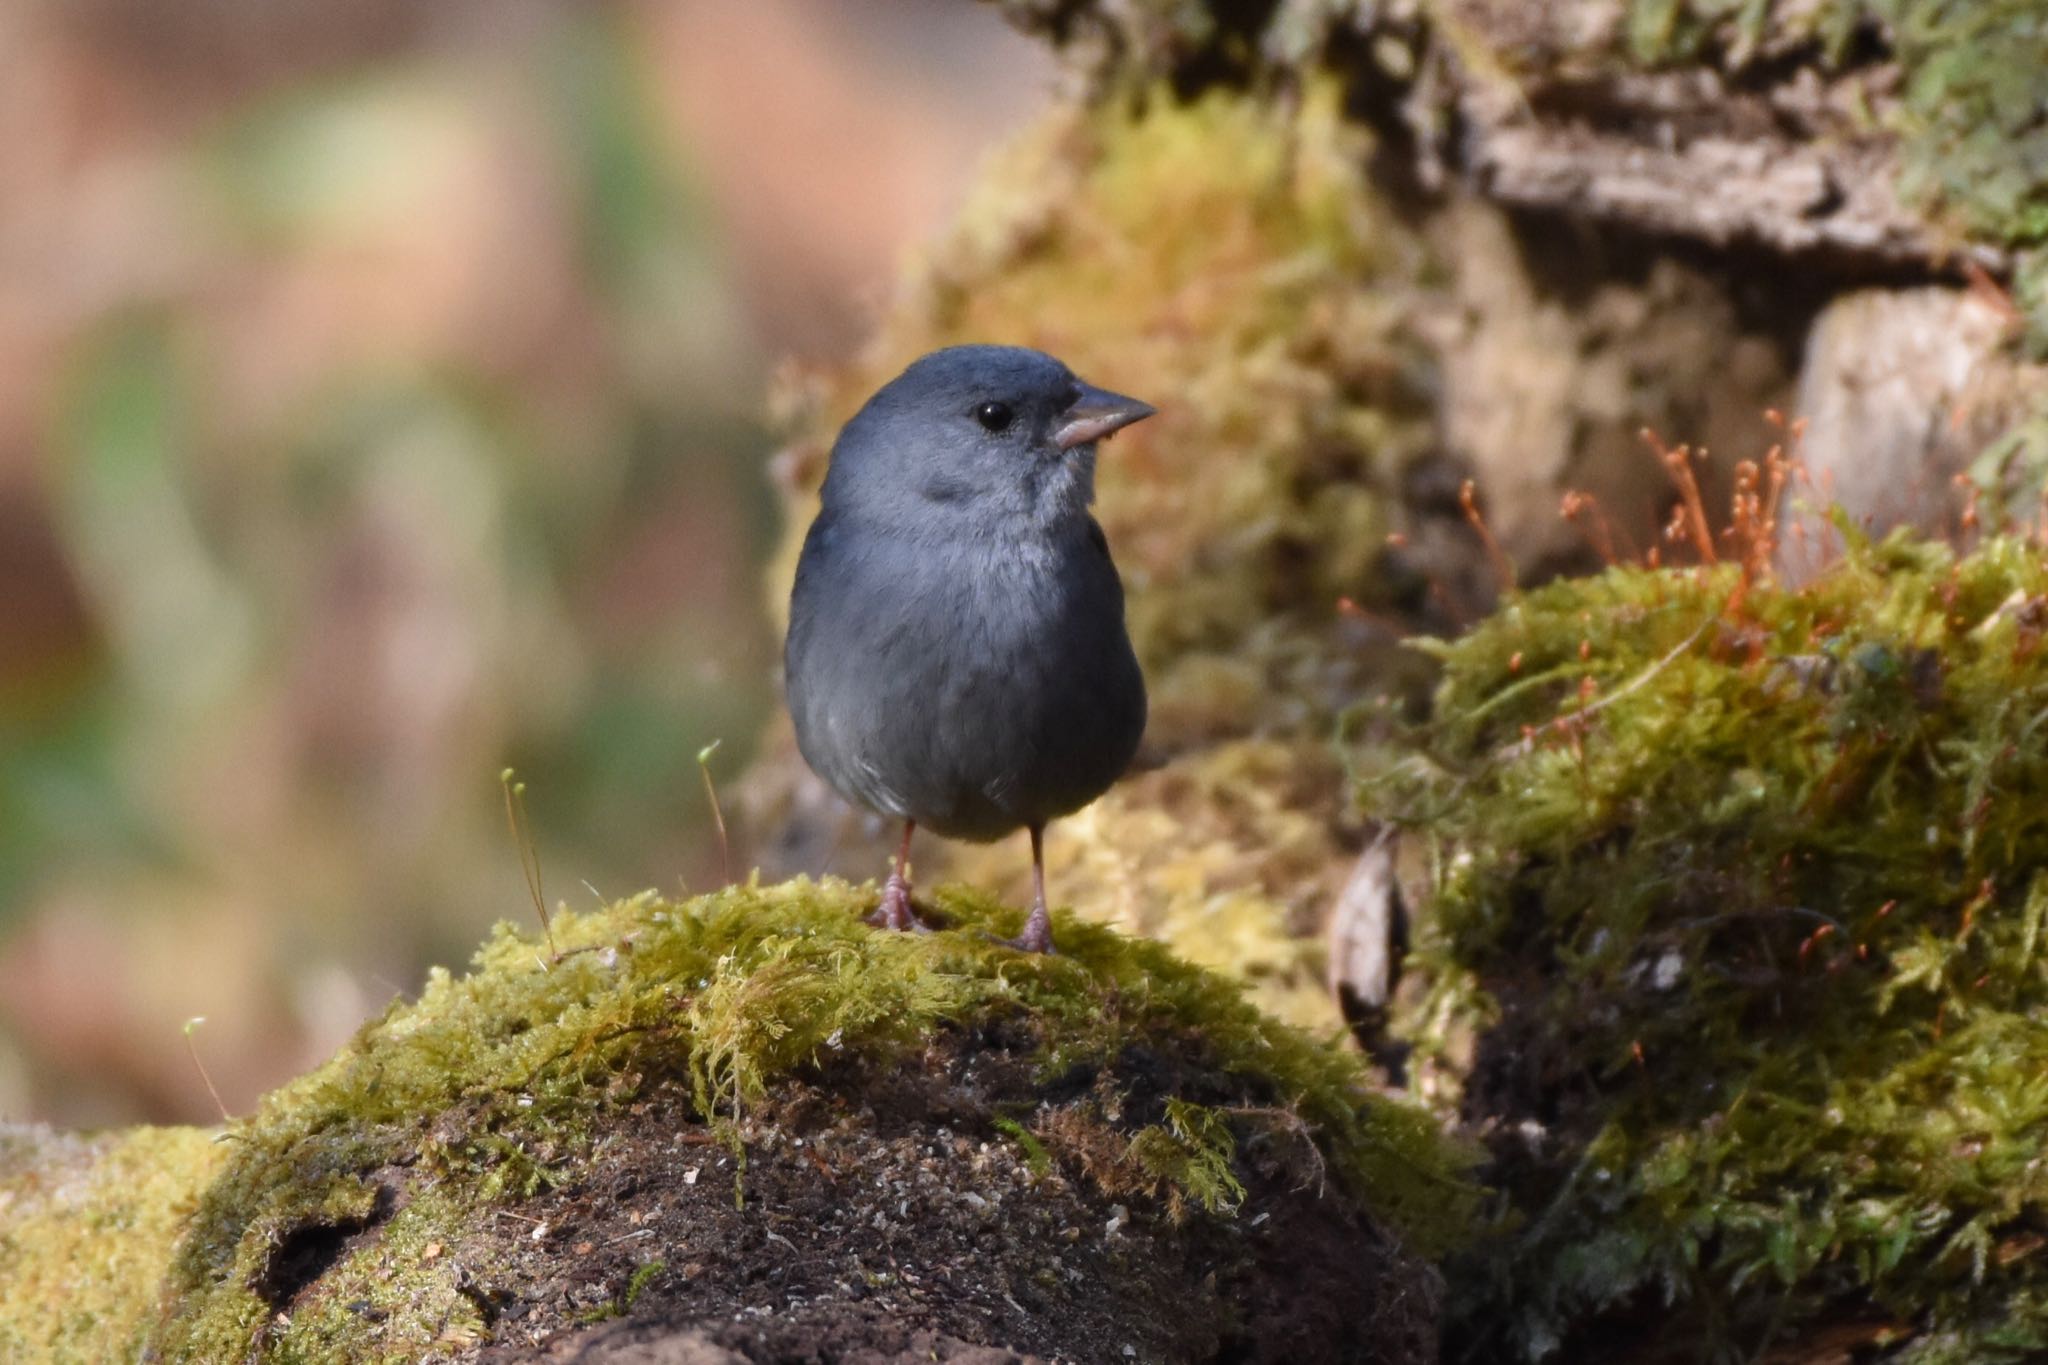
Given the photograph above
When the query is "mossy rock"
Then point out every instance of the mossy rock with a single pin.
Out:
(1733, 957)
(751, 1122)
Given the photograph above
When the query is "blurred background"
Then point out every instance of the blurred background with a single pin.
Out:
(382, 403)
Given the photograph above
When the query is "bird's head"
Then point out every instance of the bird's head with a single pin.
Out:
(999, 432)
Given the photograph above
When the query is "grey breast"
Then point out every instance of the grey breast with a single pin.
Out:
(972, 686)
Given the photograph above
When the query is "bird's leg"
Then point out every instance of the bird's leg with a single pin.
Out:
(895, 911)
(1037, 935)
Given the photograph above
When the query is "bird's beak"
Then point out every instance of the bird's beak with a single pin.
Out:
(1095, 414)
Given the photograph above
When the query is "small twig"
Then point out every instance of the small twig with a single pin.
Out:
(191, 1024)
(717, 811)
(1527, 742)
(529, 854)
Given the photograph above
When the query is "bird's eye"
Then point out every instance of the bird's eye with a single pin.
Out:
(994, 416)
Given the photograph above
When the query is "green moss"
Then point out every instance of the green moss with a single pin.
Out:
(642, 1277)
(1190, 1154)
(492, 1085)
(1737, 948)
(86, 1226)
(1975, 111)
(1035, 1156)
(622, 1305)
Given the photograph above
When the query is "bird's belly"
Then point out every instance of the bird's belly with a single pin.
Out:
(978, 712)
(1032, 740)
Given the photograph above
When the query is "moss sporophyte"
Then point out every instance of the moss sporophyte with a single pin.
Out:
(1734, 946)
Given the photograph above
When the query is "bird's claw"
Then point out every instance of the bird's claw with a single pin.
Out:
(1035, 938)
(895, 911)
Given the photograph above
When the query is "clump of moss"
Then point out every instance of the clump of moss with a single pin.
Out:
(86, 1226)
(1187, 1159)
(372, 1176)
(1975, 112)
(1189, 1156)
(1735, 954)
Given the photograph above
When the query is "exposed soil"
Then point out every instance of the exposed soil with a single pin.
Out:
(889, 1218)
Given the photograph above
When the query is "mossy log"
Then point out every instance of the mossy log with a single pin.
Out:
(1860, 133)
(750, 1127)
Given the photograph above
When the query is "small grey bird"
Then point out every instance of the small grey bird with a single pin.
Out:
(957, 656)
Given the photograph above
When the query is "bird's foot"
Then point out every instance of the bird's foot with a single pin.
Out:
(895, 911)
(1037, 934)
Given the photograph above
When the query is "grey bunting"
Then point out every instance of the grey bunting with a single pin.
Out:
(957, 657)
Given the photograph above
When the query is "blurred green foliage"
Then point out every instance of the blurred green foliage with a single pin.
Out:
(420, 438)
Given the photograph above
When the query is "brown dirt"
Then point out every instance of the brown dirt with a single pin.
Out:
(887, 1218)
